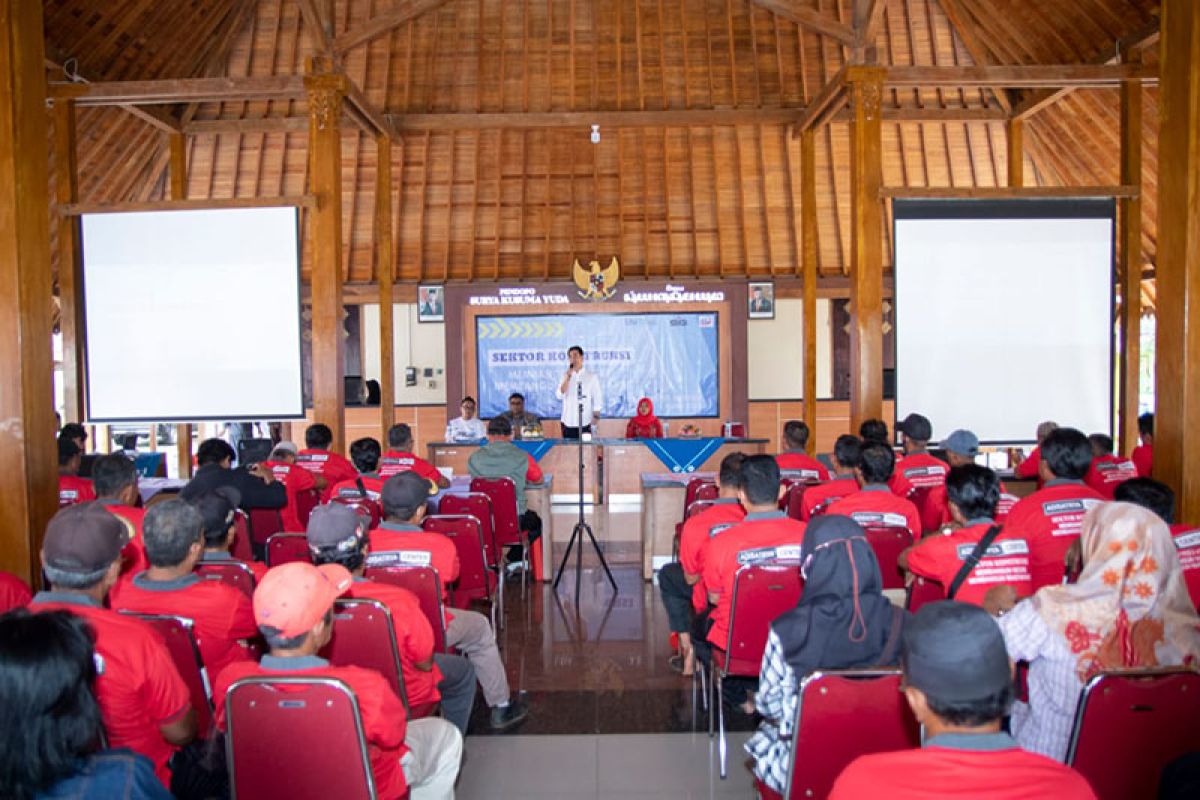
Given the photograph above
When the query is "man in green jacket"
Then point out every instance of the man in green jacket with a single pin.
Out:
(500, 458)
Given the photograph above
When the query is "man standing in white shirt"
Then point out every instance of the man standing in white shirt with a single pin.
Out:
(579, 385)
(468, 427)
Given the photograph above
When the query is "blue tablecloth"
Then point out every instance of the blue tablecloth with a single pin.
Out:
(536, 447)
(683, 455)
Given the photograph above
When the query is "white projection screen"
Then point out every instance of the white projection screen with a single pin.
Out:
(192, 315)
(1004, 314)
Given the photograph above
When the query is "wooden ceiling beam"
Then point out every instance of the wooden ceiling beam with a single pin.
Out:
(996, 192)
(830, 100)
(1037, 75)
(158, 118)
(181, 90)
(382, 23)
(973, 41)
(812, 19)
(320, 27)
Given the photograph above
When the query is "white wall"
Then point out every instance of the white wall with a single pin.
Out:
(776, 351)
(415, 344)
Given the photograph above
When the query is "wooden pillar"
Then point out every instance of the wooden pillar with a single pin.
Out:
(28, 460)
(325, 92)
(177, 174)
(810, 254)
(66, 187)
(1016, 152)
(866, 271)
(1130, 269)
(1177, 354)
(383, 259)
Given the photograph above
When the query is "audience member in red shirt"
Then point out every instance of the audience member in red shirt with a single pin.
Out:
(367, 484)
(1107, 471)
(116, 482)
(958, 683)
(973, 492)
(295, 480)
(794, 461)
(145, 704)
(338, 535)
(332, 468)
(1143, 454)
(917, 466)
(14, 592)
(218, 512)
(71, 487)
(1050, 519)
(876, 430)
(294, 610)
(874, 505)
(679, 582)
(644, 425)
(222, 617)
(847, 454)
(1158, 497)
(1030, 467)
(399, 458)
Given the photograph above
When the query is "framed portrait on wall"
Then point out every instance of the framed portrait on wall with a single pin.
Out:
(762, 300)
(431, 304)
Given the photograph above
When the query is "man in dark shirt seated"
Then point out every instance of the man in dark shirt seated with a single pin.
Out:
(257, 485)
(958, 682)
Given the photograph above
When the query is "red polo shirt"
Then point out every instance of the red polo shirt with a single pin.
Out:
(394, 462)
(436, 548)
(414, 637)
(923, 470)
(825, 493)
(138, 688)
(1187, 542)
(73, 489)
(257, 567)
(295, 479)
(694, 539)
(333, 467)
(952, 766)
(937, 499)
(1050, 519)
(1143, 458)
(810, 469)
(901, 486)
(1108, 472)
(14, 592)
(721, 562)
(875, 506)
(349, 490)
(1006, 561)
(384, 719)
(221, 613)
(1027, 470)
(134, 553)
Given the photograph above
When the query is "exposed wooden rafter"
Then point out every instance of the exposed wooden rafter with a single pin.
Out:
(1038, 75)
(181, 90)
(156, 117)
(971, 39)
(812, 19)
(830, 100)
(382, 23)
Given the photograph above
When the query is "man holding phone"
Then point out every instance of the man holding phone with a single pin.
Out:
(256, 484)
(580, 387)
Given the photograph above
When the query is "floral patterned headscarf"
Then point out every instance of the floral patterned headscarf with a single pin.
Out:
(1130, 607)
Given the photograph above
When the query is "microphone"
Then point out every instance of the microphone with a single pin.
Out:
(579, 387)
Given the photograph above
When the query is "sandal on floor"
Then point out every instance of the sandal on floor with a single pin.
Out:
(675, 662)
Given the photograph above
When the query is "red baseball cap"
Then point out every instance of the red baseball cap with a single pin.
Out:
(293, 597)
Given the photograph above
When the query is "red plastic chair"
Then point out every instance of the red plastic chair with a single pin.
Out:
(264, 523)
(475, 580)
(363, 505)
(242, 548)
(283, 548)
(761, 592)
(234, 573)
(695, 508)
(185, 653)
(479, 506)
(922, 591)
(792, 502)
(1130, 724)
(506, 522)
(306, 501)
(427, 586)
(706, 491)
(693, 489)
(296, 737)
(841, 715)
(889, 542)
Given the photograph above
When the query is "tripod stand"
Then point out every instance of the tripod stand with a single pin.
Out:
(581, 526)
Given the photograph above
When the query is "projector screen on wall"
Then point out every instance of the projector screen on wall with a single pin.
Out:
(192, 315)
(1004, 314)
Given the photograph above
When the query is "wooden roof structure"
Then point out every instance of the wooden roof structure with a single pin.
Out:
(490, 104)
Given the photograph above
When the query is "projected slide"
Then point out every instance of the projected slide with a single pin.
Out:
(1004, 314)
(192, 315)
(670, 358)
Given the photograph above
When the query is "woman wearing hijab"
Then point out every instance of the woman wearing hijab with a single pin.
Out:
(1129, 608)
(645, 425)
(842, 621)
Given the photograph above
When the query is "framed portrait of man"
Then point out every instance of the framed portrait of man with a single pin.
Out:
(762, 300)
(431, 304)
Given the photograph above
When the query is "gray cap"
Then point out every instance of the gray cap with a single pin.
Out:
(962, 442)
(289, 447)
(955, 652)
(336, 525)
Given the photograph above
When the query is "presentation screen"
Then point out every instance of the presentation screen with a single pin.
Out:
(670, 358)
(1004, 314)
(192, 315)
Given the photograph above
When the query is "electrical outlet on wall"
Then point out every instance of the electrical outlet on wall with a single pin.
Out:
(432, 383)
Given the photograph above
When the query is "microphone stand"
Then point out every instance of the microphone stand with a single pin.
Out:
(581, 526)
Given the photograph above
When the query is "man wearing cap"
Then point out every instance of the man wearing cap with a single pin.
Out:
(223, 618)
(961, 448)
(293, 607)
(327, 467)
(958, 683)
(794, 459)
(400, 458)
(218, 514)
(145, 704)
(116, 481)
(973, 492)
(337, 534)
(500, 458)
(917, 466)
(295, 480)
(399, 539)
(847, 454)
(71, 487)
(874, 505)
(256, 485)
